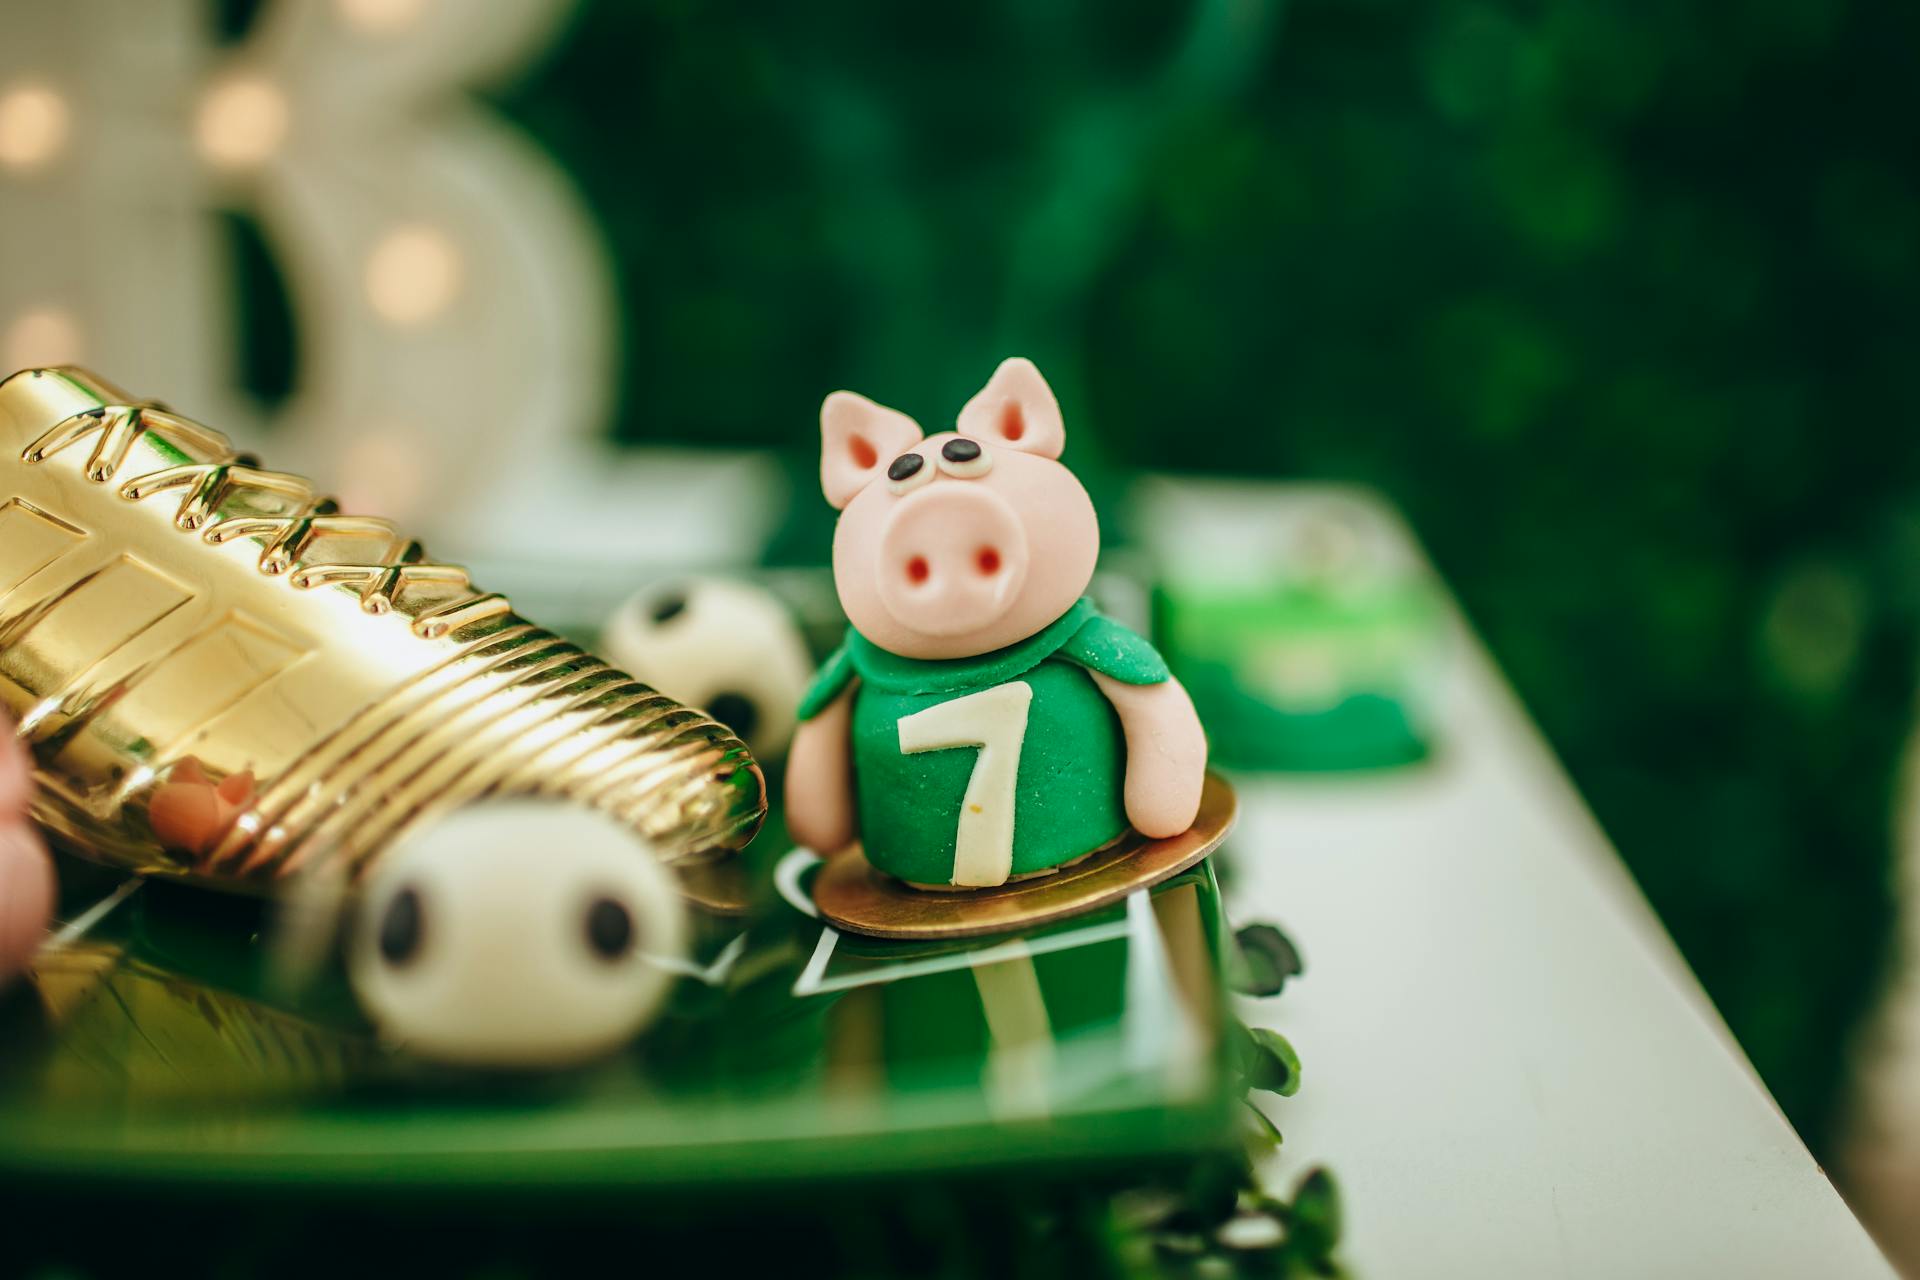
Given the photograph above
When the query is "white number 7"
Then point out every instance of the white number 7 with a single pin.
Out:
(994, 720)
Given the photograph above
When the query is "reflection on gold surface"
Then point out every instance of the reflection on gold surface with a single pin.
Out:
(1033, 1023)
(1020, 1039)
(1190, 954)
(126, 1030)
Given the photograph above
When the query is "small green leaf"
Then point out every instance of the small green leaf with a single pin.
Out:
(1315, 1220)
(1144, 1208)
(1267, 958)
(1180, 1245)
(1213, 1189)
(1270, 1063)
(1261, 1130)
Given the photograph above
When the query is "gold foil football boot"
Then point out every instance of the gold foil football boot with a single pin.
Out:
(223, 679)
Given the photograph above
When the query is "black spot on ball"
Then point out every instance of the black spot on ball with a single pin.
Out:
(960, 450)
(609, 929)
(905, 467)
(401, 928)
(736, 711)
(669, 607)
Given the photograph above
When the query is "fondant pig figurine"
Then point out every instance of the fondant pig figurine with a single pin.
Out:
(982, 722)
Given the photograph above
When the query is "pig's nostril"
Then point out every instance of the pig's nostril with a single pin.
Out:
(988, 561)
(917, 570)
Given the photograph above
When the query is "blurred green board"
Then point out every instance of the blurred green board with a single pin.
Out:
(1294, 678)
(159, 1050)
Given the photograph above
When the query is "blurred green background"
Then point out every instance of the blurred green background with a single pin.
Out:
(1611, 296)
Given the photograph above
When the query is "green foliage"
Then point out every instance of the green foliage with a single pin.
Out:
(1223, 1224)
(1316, 1216)
(1261, 1133)
(1614, 297)
(1265, 1060)
(1262, 961)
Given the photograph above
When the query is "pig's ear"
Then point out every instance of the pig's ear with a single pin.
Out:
(1016, 410)
(858, 438)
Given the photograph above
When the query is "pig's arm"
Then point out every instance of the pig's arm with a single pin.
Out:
(820, 778)
(1166, 754)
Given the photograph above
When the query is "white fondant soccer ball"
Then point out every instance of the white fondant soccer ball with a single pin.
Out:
(516, 933)
(728, 648)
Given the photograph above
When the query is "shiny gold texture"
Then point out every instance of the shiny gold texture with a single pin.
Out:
(224, 678)
(853, 896)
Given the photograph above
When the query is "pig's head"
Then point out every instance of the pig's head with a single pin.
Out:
(959, 543)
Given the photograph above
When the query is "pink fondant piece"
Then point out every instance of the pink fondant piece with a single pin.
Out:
(820, 812)
(26, 895)
(26, 872)
(951, 559)
(236, 789)
(961, 566)
(858, 438)
(1016, 410)
(1166, 754)
(16, 774)
(189, 812)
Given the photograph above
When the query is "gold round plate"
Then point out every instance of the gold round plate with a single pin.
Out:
(853, 896)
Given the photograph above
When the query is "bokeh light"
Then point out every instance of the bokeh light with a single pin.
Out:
(242, 121)
(34, 122)
(413, 274)
(380, 17)
(384, 471)
(39, 337)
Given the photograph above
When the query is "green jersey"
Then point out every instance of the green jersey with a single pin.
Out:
(969, 770)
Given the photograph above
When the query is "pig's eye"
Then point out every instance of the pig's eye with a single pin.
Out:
(965, 459)
(908, 472)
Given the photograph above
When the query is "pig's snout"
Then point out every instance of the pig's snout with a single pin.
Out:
(952, 559)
